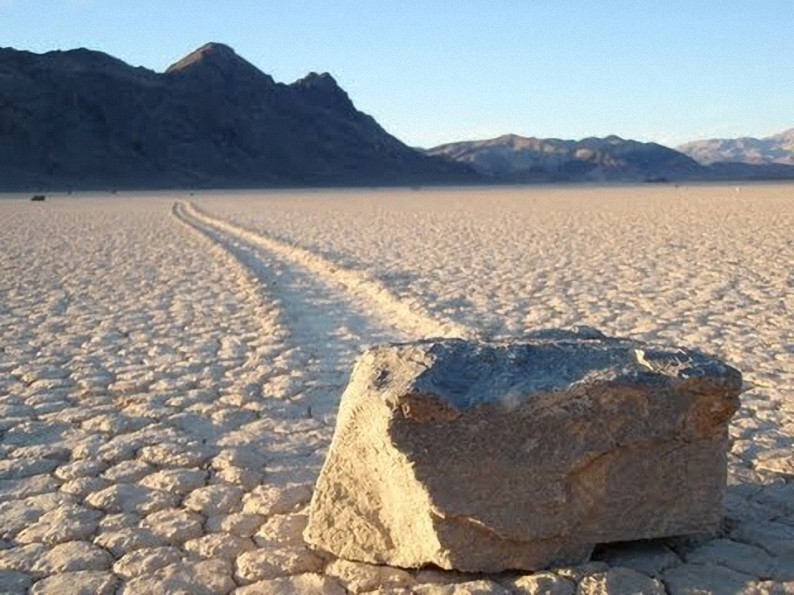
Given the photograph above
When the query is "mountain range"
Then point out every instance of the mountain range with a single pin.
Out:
(521, 159)
(778, 148)
(83, 119)
(517, 159)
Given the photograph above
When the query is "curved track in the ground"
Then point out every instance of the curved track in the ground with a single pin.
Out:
(331, 313)
(369, 295)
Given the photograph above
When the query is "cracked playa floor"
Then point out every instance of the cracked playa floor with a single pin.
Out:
(169, 375)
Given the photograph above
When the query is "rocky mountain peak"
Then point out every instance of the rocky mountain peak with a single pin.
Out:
(508, 138)
(323, 90)
(324, 80)
(215, 55)
(217, 66)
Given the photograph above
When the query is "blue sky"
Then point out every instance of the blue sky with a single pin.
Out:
(433, 71)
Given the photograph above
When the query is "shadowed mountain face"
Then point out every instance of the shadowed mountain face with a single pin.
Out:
(83, 119)
(611, 158)
(778, 149)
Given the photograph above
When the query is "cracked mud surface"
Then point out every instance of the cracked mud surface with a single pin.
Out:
(169, 378)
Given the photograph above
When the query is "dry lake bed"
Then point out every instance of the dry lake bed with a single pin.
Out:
(171, 364)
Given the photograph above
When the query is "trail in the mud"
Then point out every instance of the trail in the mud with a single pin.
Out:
(369, 295)
(331, 314)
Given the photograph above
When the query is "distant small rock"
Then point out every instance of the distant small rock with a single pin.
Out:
(38, 198)
(521, 454)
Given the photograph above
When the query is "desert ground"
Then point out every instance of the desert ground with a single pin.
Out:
(171, 365)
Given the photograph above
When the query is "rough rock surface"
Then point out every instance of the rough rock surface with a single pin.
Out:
(490, 456)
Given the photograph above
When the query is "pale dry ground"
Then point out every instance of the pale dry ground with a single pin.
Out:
(168, 380)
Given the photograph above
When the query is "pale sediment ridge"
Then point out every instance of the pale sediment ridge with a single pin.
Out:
(168, 392)
(325, 323)
(382, 303)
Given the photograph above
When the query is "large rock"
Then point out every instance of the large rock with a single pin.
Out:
(521, 454)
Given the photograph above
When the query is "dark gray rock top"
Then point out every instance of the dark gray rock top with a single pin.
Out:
(465, 374)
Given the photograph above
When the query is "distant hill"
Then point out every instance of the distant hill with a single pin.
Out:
(517, 158)
(84, 119)
(776, 149)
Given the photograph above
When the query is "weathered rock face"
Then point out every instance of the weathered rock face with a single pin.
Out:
(484, 457)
